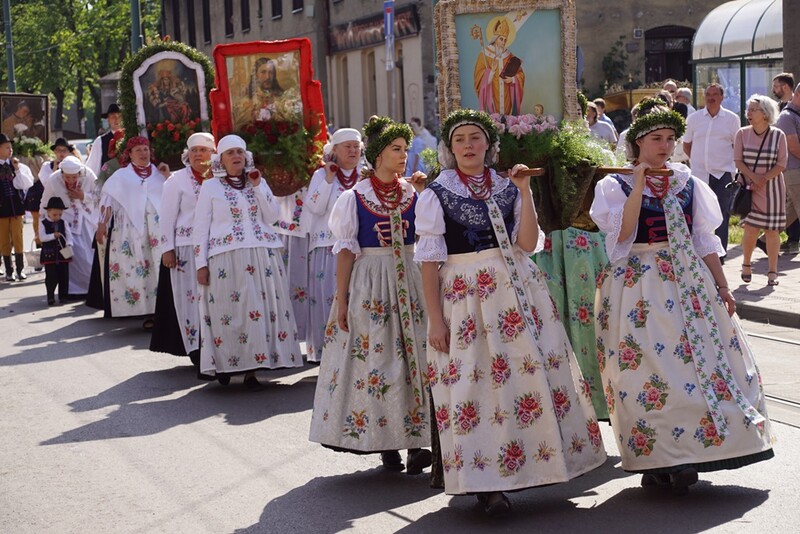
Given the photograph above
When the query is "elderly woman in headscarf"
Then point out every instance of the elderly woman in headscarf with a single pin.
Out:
(247, 321)
(177, 319)
(130, 204)
(74, 183)
(340, 173)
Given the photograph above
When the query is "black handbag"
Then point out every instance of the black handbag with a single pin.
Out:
(743, 199)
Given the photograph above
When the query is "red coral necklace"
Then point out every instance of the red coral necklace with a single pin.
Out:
(142, 172)
(347, 181)
(480, 187)
(389, 195)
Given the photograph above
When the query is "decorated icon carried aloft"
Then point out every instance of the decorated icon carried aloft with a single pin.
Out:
(265, 94)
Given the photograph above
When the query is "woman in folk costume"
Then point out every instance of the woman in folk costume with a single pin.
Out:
(74, 183)
(177, 319)
(683, 391)
(510, 410)
(340, 174)
(292, 227)
(247, 322)
(129, 207)
(372, 395)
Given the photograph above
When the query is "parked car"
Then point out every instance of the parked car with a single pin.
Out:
(83, 146)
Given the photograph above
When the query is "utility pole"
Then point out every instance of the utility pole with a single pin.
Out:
(136, 27)
(12, 81)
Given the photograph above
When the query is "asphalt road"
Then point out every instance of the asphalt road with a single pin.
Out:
(100, 435)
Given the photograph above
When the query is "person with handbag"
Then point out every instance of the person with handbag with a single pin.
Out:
(56, 255)
(761, 154)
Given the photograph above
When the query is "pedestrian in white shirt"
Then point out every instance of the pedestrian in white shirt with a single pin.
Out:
(710, 133)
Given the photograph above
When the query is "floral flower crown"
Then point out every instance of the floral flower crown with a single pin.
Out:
(463, 117)
(654, 115)
(379, 132)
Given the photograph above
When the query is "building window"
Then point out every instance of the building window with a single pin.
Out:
(297, 6)
(206, 22)
(228, 18)
(190, 23)
(277, 9)
(344, 94)
(176, 20)
(668, 52)
(245, 16)
(369, 88)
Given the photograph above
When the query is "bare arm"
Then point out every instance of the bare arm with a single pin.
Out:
(344, 268)
(714, 265)
(630, 213)
(438, 333)
(687, 149)
(528, 234)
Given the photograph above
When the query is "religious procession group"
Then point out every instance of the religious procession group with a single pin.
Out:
(432, 325)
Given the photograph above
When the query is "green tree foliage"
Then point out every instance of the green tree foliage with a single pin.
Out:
(64, 47)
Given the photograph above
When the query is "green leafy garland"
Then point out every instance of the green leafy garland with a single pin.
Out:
(469, 116)
(379, 132)
(654, 115)
(127, 96)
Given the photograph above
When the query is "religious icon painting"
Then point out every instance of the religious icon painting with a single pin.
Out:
(508, 58)
(267, 95)
(25, 115)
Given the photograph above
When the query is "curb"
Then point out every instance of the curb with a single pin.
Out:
(760, 314)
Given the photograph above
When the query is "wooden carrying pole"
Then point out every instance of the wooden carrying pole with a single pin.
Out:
(540, 171)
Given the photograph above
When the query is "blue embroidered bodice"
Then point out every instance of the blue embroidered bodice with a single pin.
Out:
(468, 227)
(652, 223)
(374, 227)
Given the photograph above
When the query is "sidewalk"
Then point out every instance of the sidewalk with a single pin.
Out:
(779, 305)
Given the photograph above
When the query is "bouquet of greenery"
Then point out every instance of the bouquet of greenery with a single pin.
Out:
(524, 139)
(286, 152)
(29, 147)
(168, 139)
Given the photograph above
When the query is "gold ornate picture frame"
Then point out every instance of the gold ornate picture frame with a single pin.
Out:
(486, 50)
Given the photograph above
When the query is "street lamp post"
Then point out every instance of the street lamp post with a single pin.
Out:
(136, 27)
(12, 81)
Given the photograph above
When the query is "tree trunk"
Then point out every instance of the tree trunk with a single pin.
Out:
(58, 123)
(79, 103)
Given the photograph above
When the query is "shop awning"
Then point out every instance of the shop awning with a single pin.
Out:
(741, 29)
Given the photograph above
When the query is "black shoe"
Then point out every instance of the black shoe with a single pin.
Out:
(681, 481)
(499, 507)
(251, 382)
(51, 301)
(417, 460)
(761, 245)
(194, 356)
(392, 461)
(649, 479)
(224, 379)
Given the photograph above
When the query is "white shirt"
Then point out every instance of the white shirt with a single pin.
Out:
(609, 204)
(125, 191)
(46, 172)
(230, 219)
(23, 177)
(44, 237)
(292, 218)
(712, 142)
(318, 202)
(603, 131)
(78, 212)
(95, 159)
(178, 202)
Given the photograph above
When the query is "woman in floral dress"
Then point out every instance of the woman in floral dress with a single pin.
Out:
(177, 319)
(129, 207)
(339, 174)
(683, 391)
(510, 409)
(372, 394)
(246, 319)
(75, 184)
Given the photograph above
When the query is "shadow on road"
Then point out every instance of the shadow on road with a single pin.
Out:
(137, 417)
(635, 509)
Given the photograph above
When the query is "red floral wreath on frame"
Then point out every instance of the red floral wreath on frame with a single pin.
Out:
(310, 91)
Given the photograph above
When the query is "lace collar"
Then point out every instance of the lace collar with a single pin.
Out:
(678, 180)
(449, 180)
